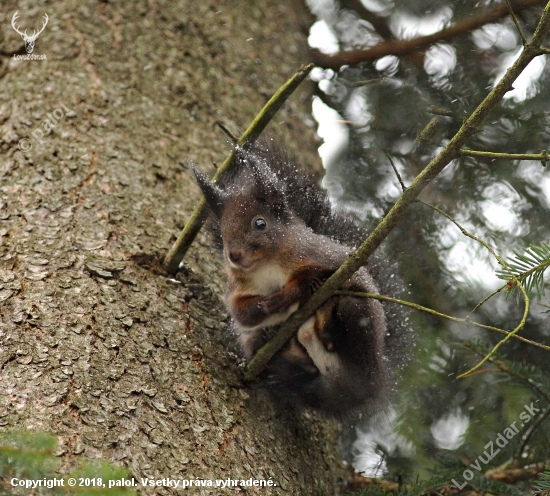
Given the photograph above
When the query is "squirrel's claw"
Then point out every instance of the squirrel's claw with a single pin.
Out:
(274, 303)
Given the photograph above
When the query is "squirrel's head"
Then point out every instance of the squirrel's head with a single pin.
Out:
(253, 217)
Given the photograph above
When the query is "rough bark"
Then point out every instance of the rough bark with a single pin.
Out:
(96, 345)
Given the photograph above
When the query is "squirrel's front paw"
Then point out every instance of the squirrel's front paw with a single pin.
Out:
(320, 278)
(273, 303)
(315, 284)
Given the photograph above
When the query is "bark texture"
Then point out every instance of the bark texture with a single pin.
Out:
(96, 345)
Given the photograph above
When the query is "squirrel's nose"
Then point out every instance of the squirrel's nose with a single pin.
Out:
(235, 256)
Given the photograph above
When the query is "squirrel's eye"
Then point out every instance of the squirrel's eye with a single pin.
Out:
(260, 224)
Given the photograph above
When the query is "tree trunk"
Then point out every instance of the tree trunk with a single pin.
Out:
(97, 345)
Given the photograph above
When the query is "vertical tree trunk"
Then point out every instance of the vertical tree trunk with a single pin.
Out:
(96, 345)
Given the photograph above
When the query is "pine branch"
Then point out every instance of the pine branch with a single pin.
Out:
(543, 483)
(484, 486)
(368, 486)
(527, 268)
(505, 270)
(530, 375)
(31, 453)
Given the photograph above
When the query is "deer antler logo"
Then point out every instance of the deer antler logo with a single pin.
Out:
(29, 39)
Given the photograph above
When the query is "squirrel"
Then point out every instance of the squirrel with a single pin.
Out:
(281, 239)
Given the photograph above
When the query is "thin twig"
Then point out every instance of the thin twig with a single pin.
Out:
(510, 335)
(486, 299)
(431, 311)
(466, 233)
(504, 368)
(199, 215)
(516, 22)
(230, 135)
(403, 187)
(543, 156)
(441, 111)
(428, 132)
(475, 238)
(358, 84)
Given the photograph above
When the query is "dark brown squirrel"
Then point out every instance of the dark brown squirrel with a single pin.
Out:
(281, 239)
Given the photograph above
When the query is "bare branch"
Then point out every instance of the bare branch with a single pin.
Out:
(516, 22)
(466, 233)
(542, 156)
(428, 132)
(229, 134)
(403, 187)
(440, 111)
(403, 47)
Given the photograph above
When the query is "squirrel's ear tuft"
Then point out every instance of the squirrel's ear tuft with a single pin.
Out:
(212, 194)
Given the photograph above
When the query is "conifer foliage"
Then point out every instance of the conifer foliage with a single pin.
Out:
(27, 455)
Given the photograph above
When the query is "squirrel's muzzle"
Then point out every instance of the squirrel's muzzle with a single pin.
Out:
(237, 258)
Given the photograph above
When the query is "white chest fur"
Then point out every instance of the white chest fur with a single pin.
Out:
(268, 279)
(263, 281)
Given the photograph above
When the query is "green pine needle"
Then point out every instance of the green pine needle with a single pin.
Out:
(527, 268)
(26, 454)
(543, 484)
